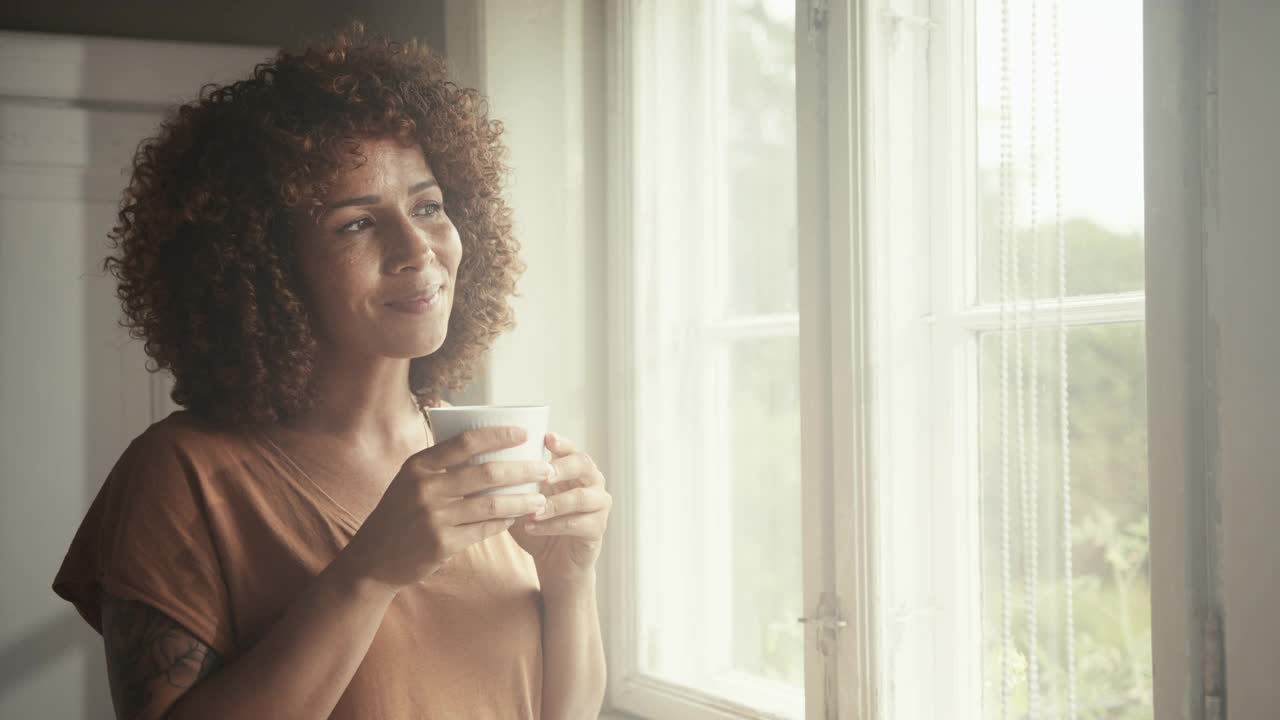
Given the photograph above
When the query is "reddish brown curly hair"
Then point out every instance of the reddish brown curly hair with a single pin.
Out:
(204, 256)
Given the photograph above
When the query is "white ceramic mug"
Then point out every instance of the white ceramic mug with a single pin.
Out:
(448, 422)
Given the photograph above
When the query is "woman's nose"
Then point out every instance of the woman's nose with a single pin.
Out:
(411, 245)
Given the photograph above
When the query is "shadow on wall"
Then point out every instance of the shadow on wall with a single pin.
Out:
(46, 644)
(111, 355)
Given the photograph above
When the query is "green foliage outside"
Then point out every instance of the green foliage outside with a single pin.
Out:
(1111, 580)
(1108, 446)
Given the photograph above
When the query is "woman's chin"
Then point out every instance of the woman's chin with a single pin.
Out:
(421, 347)
(413, 342)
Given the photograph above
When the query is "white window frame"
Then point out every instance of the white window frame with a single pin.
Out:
(832, 329)
(925, 330)
(842, 655)
(846, 669)
(633, 37)
(1179, 135)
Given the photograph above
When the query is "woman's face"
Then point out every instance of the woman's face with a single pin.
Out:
(381, 259)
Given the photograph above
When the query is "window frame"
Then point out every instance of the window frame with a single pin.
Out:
(944, 318)
(831, 335)
(629, 36)
(843, 667)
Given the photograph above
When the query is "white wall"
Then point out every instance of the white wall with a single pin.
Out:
(1242, 261)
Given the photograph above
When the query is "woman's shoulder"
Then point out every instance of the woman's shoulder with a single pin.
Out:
(185, 428)
(182, 441)
(149, 534)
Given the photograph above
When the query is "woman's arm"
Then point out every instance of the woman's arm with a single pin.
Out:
(300, 668)
(573, 664)
(151, 659)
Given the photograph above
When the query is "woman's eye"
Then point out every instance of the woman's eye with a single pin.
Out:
(356, 225)
(428, 209)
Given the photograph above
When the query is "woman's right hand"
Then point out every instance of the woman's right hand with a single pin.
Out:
(424, 517)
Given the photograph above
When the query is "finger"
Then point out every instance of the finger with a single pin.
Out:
(584, 525)
(576, 470)
(498, 473)
(473, 533)
(580, 500)
(494, 507)
(558, 446)
(464, 446)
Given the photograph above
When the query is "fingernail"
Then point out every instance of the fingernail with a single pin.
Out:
(546, 471)
(511, 521)
(530, 526)
(542, 512)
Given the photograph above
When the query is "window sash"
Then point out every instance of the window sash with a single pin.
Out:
(840, 667)
(634, 38)
(925, 328)
(838, 346)
(924, 550)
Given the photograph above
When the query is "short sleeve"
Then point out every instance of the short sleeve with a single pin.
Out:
(146, 537)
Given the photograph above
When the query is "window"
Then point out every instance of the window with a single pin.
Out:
(886, 249)
(952, 379)
(713, 349)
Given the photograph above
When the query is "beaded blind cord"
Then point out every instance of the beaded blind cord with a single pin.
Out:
(1064, 405)
(1026, 378)
(1031, 480)
(1006, 193)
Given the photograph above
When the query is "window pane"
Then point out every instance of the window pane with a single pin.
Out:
(764, 470)
(719, 523)
(1101, 144)
(759, 156)
(717, 498)
(1111, 573)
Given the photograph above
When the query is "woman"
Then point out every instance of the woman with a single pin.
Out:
(317, 253)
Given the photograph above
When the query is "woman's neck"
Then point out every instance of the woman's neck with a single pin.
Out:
(364, 404)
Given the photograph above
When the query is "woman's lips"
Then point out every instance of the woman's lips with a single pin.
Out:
(418, 305)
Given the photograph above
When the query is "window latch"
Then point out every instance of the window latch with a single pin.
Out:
(826, 623)
(826, 618)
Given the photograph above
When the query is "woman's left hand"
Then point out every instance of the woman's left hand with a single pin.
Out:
(565, 538)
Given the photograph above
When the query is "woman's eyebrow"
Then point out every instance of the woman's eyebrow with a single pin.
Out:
(374, 199)
(415, 189)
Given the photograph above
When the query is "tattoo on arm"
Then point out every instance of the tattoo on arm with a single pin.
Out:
(150, 658)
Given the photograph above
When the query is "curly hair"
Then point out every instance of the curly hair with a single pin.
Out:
(204, 249)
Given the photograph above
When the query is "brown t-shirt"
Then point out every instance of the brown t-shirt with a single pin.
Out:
(220, 532)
